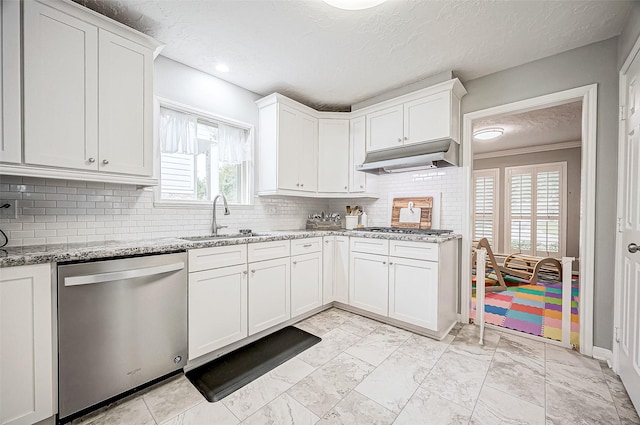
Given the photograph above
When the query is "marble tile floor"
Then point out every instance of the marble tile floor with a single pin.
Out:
(367, 372)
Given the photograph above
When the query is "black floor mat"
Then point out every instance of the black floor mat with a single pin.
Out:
(222, 376)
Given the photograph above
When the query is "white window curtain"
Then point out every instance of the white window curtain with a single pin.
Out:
(233, 144)
(178, 132)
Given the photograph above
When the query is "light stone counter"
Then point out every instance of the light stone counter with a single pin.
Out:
(58, 253)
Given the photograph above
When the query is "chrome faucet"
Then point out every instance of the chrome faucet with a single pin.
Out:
(226, 212)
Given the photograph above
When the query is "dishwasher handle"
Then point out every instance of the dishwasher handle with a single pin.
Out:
(125, 274)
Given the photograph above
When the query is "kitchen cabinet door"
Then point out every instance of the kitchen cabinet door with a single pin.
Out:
(10, 84)
(217, 309)
(369, 282)
(307, 152)
(341, 269)
(306, 283)
(60, 89)
(358, 150)
(328, 279)
(288, 147)
(428, 118)
(384, 129)
(269, 294)
(126, 107)
(333, 155)
(413, 292)
(26, 345)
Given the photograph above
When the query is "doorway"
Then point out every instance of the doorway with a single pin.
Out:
(515, 229)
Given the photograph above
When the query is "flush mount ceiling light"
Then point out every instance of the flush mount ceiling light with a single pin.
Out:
(354, 4)
(222, 67)
(488, 133)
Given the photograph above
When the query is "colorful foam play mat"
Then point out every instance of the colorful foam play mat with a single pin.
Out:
(534, 309)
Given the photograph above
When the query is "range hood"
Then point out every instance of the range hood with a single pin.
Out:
(419, 156)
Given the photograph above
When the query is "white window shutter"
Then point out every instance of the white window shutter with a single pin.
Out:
(485, 204)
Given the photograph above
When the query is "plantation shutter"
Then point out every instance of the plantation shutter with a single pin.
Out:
(485, 189)
(535, 209)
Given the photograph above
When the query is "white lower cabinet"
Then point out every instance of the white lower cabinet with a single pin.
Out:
(413, 292)
(26, 345)
(306, 282)
(269, 293)
(217, 308)
(341, 269)
(369, 282)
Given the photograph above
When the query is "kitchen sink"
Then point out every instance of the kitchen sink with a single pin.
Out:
(214, 237)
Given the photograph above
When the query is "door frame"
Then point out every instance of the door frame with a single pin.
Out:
(588, 95)
(617, 282)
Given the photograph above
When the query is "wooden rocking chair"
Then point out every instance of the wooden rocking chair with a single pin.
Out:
(520, 265)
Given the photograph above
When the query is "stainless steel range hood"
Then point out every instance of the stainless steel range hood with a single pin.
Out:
(420, 156)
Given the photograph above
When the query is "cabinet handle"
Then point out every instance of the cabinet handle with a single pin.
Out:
(384, 262)
(307, 245)
(295, 262)
(301, 184)
(297, 184)
(326, 241)
(253, 271)
(92, 160)
(105, 161)
(406, 138)
(244, 272)
(390, 263)
(345, 188)
(361, 187)
(399, 139)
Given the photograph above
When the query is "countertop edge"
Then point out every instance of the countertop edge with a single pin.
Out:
(62, 253)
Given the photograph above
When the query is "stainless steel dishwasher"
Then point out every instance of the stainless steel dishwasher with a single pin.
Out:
(121, 324)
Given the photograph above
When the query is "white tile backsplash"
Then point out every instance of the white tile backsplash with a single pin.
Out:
(66, 211)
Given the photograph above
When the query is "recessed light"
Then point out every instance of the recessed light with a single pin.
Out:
(488, 133)
(354, 4)
(222, 67)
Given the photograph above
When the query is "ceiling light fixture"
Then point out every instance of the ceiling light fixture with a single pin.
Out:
(488, 133)
(354, 4)
(222, 67)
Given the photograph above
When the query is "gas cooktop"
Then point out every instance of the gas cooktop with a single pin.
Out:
(404, 230)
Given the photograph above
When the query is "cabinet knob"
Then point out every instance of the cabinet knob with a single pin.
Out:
(105, 161)
(253, 271)
(390, 263)
(326, 241)
(361, 187)
(301, 184)
(92, 160)
(345, 188)
(244, 272)
(294, 263)
(399, 139)
(406, 138)
(297, 184)
(384, 262)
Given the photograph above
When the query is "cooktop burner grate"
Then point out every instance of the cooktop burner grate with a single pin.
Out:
(404, 230)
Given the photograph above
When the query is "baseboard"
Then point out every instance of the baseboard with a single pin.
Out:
(605, 354)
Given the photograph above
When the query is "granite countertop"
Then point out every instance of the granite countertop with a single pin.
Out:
(58, 253)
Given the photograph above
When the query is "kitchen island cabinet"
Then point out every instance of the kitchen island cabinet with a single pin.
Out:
(26, 345)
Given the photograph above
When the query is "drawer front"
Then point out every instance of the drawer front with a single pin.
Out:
(216, 257)
(305, 246)
(416, 250)
(269, 250)
(370, 246)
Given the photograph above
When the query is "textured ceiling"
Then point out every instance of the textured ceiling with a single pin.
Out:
(330, 58)
(557, 124)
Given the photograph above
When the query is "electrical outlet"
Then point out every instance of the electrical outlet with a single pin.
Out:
(8, 208)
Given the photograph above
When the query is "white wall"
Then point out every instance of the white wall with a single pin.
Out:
(595, 63)
(630, 34)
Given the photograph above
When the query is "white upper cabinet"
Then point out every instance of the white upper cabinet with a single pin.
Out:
(88, 96)
(288, 148)
(384, 129)
(126, 106)
(10, 110)
(357, 147)
(60, 89)
(428, 114)
(333, 155)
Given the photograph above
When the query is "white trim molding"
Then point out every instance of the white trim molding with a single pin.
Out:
(603, 354)
(529, 149)
(588, 96)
